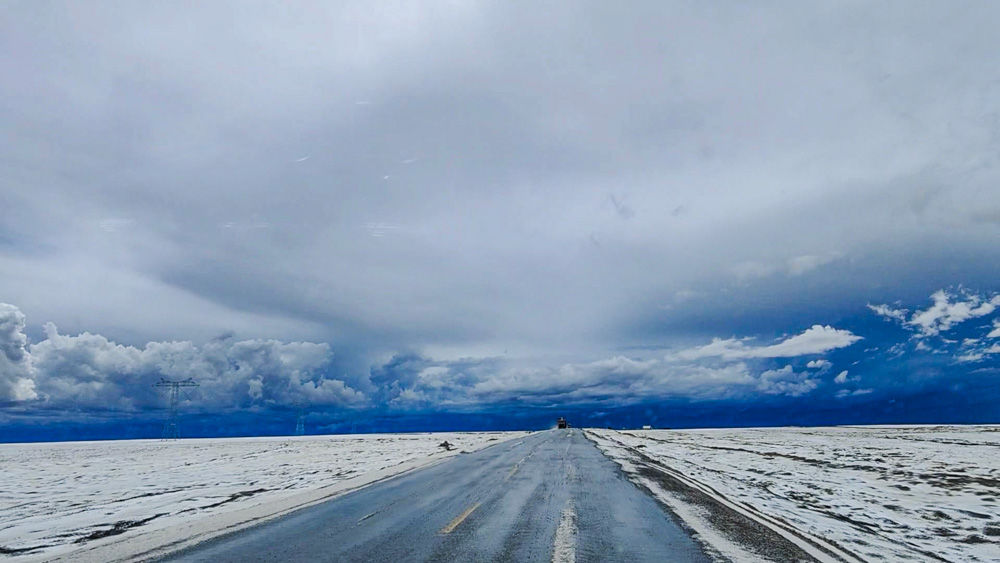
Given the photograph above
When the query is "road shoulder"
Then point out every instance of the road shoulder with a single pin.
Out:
(728, 530)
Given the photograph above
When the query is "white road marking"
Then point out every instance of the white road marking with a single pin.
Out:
(564, 546)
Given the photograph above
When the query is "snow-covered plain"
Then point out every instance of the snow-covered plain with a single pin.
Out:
(925, 493)
(59, 497)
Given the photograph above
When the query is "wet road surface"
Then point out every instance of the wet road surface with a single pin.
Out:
(551, 496)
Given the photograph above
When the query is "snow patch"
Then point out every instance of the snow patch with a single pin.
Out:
(564, 546)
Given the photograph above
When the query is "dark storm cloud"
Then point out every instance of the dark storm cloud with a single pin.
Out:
(548, 184)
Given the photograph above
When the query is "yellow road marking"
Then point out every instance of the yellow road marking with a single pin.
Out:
(458, 520)
(511, 474)
(515, 468)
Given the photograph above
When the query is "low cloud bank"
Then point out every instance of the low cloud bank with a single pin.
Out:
(88, 371)
(723, 369)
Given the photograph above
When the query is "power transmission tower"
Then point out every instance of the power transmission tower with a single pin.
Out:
(170, 431)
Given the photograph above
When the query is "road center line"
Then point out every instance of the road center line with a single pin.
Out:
(511, 474)
(515, 468)
(458, 520)
(367, 516)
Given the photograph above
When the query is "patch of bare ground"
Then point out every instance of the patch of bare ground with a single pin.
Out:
(119, 527)
(4, 550)
(957, 480)
(150, 494)
(231, 498)
(974, 539)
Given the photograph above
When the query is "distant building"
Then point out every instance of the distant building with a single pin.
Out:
(646, 427)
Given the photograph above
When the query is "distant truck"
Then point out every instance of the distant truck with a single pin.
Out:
(561, 423)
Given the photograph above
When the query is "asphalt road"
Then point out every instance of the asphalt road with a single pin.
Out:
(551, 496)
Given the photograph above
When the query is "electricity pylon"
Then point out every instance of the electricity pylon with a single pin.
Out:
(170, 431)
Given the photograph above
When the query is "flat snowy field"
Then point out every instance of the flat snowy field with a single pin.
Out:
(927, 493)
(57, 497)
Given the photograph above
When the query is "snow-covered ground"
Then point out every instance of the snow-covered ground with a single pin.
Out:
(927, 493)
(59, 497)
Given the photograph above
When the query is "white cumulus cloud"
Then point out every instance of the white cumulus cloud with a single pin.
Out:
(978, 354)
(843, 378)
(949, 309)
(16, 371)
(786, 381)
(844, 393)
(814, 340)
(995, 333)
(89, 371)
(889, 312)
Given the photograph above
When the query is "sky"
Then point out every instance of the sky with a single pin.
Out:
(469, 215)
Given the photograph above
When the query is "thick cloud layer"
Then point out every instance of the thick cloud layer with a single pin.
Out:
(509, 196)
(490, 177)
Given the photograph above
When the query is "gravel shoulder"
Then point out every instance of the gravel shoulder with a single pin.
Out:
(902, 493)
